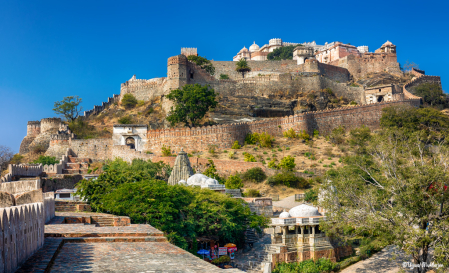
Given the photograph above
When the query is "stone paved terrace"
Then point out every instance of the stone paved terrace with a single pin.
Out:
(84, 247)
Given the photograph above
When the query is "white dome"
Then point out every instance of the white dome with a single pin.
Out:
(201, 180)
(304, 210)
(182, 182)
(284, 215)
(253, 47)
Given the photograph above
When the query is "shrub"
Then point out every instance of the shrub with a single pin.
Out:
(338, 135)
(252, 193)
(224, 77)
(288, 179)
(249, 157)
(46, 160)
(287, 149)
(236, 145)
(287, 163)
(354, 85)
(316, 133)
(264, 139)
(265, 153)
(125, 120)
(140, 103)
(272, 164)
(254, 174)
(290, 133)
(234, 182)
(166, 151)
(16, 159)
(311, 195)
(149, 111)
(304, 135)
(38, 149)
(328, 151)
(329, 91)
(353, 103)
(279, 150)
(231, 155)
(212, 149)
(129, 101)
(212, 172)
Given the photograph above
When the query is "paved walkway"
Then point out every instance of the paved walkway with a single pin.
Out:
(287, 203)
(381, 262)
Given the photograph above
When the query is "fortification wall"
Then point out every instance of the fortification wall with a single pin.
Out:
(29, 197)
(126, 153)
(20, 186)
(49, 206)
(58, 145)
(96, 149)
(6, 200)
(21, 235)
(228, 67)
(60, 182)
(98, 108)
(224, 167)
(50, 124)
(33, 128)
(360, 67)
(415, 82)
(193, 139)
(144, 89)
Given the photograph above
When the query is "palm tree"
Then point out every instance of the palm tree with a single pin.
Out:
(242, 67)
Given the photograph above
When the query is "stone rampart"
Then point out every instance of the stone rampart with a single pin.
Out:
(98, 108)
(22, 170)
(96, 149)
(21, 235)
(58, 167)
(29, 197)
(228, 67)
(127, 154)
(417, 72)
(413, 83)
(224, 167)
(194, 139)
(20, 186)
(50, 125)
(143, 89)
(49, 206)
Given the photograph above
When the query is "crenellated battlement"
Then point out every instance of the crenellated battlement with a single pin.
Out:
(50, 124)
(179, 59)
(33, 128)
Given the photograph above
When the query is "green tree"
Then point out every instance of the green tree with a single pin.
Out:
(212, 172)
(242, 67)
(397, 187)
(192, 103)
(203, 63)
(68, 107)
(432, 94)
(254, 174)
(129, 101)
(139, 190)
(359, 137)
(224, 77)
(282, 53)
(46, 160)
(287, 163)
(234, 182)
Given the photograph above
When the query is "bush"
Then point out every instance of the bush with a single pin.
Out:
(264, 139)
(249, 157)
(288, 179)
(272, 164)
(234, 182)
(252, 193)
(329, 91)
(287, 163)
(125, 120)
(45, 160)
(316, 133)
(322, 265)
(338, 135)
(129, 101)
(16, 159)
(311, 195)
(166, 151)
(231, 155)
(290, 133)
(38, 149)
(224, 77)
(140, 103)
(353, 103)
(236, 145)
(149, 111)
(254, 174)
(304, 135)
(212, 149)
(212, 172)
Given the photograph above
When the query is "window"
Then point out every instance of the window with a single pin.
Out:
(64, 195)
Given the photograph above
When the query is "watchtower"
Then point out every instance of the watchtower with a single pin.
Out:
(50, 125)
(177, 71)
(33, 128)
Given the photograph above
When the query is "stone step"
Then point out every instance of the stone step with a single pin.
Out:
(74, 159)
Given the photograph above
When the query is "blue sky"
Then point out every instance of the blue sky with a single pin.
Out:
(52, 49)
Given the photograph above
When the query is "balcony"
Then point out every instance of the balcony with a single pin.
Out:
(283, 221)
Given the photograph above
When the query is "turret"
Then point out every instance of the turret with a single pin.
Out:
(177, 71)
(50, 125)
(33, 128)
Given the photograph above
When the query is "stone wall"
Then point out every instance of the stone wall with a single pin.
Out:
(59, 183)
(228, 67)
(20, 186)
(96, 149)
(127, 154)
(6, 200)
(49, 206)
(224, 167)
(98, 108)
(21, 234)
(29, 197)
(143, 89)
(194, 139)
(415, 82)
(360, 67)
